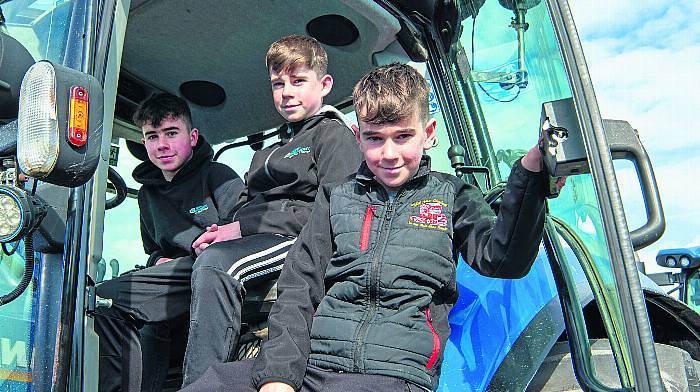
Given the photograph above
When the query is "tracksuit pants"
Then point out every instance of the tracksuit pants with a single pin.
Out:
(210, 289)
(236, 377)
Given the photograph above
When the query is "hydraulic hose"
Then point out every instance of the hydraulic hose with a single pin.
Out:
(28, 272)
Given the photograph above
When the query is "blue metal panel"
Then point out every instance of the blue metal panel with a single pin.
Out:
(489, 317)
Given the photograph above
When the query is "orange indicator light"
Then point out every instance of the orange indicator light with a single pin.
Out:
(78, 116)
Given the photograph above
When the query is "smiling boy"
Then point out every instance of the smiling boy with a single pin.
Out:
(316, 147)
(183, 191)
(367, 287)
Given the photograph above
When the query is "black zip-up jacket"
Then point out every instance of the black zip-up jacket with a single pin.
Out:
(283, 178)
(174, 213)
(369, 284)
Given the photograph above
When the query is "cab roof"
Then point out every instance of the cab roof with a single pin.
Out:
(223, 43)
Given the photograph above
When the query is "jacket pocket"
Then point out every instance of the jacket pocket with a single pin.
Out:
(436, 341)
(367, 227)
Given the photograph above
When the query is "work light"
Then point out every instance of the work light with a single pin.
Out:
(59, 126)
(19, 213)
(37, 138)
(686, 258)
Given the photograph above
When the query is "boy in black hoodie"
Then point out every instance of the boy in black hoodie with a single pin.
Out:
(183, 192)
(317, 147)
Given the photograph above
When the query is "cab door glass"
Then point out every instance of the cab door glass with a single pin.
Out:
(512, 107)
(692, 291)
(123, 249)
(41, 26)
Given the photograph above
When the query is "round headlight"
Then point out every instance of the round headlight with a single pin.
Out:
(671, 262)
(13, 208)
(19, 213)
(685, 261)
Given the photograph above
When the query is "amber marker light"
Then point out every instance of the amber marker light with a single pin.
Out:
(78, 116)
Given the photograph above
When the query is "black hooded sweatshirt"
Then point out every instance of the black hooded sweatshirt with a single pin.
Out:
(174, 213)
(283, 178)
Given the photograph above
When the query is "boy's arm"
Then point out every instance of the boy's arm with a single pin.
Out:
(504, 246)
(226, 187)
(337, 153)
(149, 245)
(301, 287)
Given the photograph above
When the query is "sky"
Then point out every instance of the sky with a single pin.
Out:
(644, 60)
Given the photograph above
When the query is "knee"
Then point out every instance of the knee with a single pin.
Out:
(211, 257)
(107, 289)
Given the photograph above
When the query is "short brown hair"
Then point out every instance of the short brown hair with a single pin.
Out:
(292, 51)
(161, 106)
(391, 93)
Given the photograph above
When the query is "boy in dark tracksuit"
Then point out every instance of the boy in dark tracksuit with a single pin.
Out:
(367, 288)
(316, 148)
(183, 192)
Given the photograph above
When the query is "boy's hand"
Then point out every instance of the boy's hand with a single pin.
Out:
(216, 233)
(276, 387)
(163, 260)
(532, 161)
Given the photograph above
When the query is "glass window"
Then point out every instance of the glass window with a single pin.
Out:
(692, 292)
(40, 25)
(512, 79)
(16, 324)
(123, 248)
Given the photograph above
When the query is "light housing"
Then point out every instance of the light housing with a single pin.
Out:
(59, 137)
(686, 258)
(20, 213)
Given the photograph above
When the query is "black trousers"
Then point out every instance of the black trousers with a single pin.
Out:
(210, 290)
(236, 377)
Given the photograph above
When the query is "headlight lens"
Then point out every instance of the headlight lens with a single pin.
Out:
(671, 262)
(685, 261)
(37, 133)
(20, 213)
(12, 213)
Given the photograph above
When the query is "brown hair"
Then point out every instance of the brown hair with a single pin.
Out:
(161, 106)
(292, 51)
(390, 93)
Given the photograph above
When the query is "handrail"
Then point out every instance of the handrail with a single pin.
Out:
(647, 376)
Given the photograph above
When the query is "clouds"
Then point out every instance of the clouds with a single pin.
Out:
(644, 58)
(638, 23)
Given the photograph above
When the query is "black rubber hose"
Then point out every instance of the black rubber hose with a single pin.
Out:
(120, 187)
(28, 272)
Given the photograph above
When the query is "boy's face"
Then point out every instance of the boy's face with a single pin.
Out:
(298, 93)
(169, 145)
(393, 151)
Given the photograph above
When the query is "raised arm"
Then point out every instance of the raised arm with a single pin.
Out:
(503, 246)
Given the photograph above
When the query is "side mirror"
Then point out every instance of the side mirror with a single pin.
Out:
(59, 127)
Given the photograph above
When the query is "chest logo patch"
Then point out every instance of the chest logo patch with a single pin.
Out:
(430, 215)
(297, 151)
(198, 209)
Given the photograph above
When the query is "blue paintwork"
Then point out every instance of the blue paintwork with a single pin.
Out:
(489, 317)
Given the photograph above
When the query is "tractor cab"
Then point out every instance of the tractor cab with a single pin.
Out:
(500, 72)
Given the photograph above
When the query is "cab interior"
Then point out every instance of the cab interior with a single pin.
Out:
(212, 53)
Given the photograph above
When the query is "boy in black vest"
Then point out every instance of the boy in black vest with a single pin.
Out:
(367, 288)
(183, 192)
